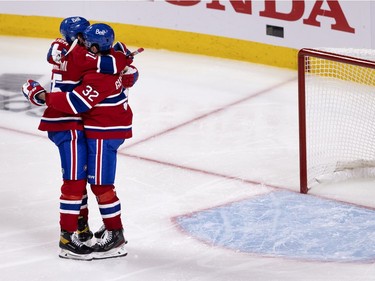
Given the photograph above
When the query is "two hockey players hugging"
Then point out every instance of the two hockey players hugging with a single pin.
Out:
(87, 117)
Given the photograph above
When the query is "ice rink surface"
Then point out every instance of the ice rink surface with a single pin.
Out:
(209, 134)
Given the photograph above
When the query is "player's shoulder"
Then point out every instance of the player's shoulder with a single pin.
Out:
(88, 56)
(80, 50)
(82, 58)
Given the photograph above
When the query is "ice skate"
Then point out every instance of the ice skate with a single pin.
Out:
(99, 234)
(84, 232)
(110, 245)
(72, 248)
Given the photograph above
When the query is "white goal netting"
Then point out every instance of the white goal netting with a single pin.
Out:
(340, 116)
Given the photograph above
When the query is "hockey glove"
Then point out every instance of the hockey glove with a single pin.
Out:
(129, 76)
(121, 47)
(30, 90)
(57, 51)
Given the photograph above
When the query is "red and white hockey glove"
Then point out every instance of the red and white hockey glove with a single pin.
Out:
(57, 51)
(31, 89)
(129, 76)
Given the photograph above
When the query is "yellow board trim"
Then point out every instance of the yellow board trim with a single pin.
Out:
(159, 38)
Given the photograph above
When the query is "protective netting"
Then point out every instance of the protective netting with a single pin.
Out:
(340, 116)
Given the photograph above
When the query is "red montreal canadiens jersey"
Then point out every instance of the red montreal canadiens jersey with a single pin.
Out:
(102, 102)
(67, 75)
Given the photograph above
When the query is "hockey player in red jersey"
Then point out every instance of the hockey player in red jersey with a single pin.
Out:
(66, 131)
(70, 61)
(101, 101)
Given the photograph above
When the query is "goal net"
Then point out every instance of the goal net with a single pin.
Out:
(336, 89)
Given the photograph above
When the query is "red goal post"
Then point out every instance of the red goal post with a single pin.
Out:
(336, 107)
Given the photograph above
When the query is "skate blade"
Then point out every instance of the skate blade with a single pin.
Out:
(114, 253)
(72, 256)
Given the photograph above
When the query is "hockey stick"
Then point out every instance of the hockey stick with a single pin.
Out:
(136, 52)
(71, 47)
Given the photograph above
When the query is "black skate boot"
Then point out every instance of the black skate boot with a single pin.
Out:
(110, 245)
(72, 248)
(83, 231)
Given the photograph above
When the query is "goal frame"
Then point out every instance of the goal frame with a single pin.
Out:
(302, 68)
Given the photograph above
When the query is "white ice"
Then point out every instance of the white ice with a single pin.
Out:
(207, 131)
